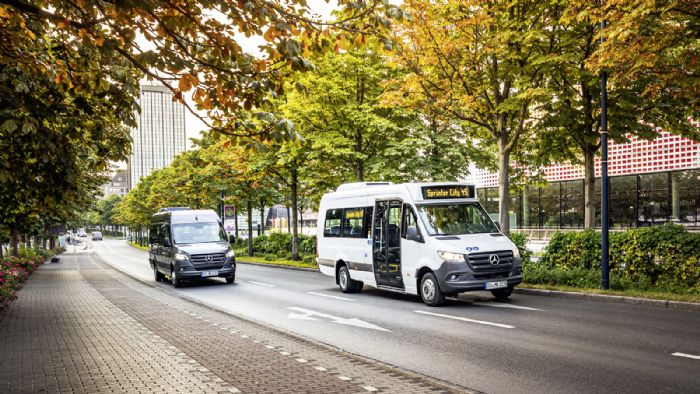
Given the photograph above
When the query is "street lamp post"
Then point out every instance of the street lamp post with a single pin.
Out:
(604, 192)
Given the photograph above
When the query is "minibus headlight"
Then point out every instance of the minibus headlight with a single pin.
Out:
(181, 257)
(516, 253)
(230, 253)
(450, 257)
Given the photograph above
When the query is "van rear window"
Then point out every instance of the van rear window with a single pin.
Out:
(333, 223)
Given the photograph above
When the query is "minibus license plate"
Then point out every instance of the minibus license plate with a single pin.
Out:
(496, 285)
(209, 273)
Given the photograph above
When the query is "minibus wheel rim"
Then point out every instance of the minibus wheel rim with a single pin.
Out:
(428, 289)
(343, 279)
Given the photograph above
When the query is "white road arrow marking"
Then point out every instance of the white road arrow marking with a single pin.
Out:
(308, 314)
(686, 355)
(330, 296)
(487, 323)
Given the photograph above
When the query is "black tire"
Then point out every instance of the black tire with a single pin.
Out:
(346, 283)
(175, 280)
(158, 276)
(430, 290)
(231, 279)
(502, 294)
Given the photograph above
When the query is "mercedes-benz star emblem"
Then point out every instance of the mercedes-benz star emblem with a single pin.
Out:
(494, 259)
(208, 259)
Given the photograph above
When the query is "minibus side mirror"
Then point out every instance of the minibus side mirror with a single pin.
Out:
(498, 225)
(166, 242)
(231, 238)
(412, 234)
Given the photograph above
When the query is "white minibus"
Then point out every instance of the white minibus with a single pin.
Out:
(427, 239)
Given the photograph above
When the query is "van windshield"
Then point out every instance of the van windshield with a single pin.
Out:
(456, 219)
(193, 233)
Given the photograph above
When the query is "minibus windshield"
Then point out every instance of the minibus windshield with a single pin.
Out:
(456, 219)
(192, 233)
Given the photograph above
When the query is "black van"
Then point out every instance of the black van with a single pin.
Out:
(188, 245)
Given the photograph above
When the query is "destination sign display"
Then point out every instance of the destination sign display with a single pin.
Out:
(446, 192)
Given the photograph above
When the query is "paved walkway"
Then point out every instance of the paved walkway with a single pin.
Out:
(81, 326)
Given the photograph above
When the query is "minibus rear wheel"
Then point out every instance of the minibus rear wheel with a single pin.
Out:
(430, 290)
(347, 284)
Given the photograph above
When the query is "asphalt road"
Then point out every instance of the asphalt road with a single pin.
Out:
(528, 344)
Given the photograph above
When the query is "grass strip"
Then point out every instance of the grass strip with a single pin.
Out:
(134, 244)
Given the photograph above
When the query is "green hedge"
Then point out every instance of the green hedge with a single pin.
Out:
(279, 245)
(662, 257)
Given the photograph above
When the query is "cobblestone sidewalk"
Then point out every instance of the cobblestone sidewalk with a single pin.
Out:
(81, 326)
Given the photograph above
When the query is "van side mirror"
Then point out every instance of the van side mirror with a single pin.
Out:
(166, 242)
(412, 234)
(498, 225)
(231, 238)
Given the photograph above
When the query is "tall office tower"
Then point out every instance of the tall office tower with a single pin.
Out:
(160, 134)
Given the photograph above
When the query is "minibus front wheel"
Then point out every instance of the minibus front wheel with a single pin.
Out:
(430, 290)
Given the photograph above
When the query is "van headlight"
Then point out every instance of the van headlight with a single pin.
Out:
(450, 257)
(230, 254)
(181, 257)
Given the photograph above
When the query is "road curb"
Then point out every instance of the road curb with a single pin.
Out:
(449, 387)
(680, 305)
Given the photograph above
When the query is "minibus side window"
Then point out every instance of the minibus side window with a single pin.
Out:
(333, 223)
(353, 222)
(369, 211)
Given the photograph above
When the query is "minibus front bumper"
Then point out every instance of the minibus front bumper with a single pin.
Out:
(458, 278)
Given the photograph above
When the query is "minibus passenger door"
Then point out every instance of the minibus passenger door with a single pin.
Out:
(393, 241)
(379, 243)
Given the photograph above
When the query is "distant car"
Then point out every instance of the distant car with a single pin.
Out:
(82, 234)
(96, 236)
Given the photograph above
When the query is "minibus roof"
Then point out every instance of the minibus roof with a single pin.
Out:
(187, 216)
(420, 192)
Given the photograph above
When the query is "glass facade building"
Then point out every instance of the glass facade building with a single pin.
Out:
(651, 182)
(160, 134)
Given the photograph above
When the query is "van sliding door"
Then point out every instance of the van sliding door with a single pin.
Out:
(386, 245)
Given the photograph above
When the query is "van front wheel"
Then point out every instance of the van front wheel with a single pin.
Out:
(430, 291)
(346, 283)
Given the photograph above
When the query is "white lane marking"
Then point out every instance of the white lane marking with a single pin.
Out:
(260, 284)
(686, 355)
(308, 314)
(330, 296)
(320, 369)
(344, 378)
(370, 388)
(302, 360)
(493, 305)
(487, 323)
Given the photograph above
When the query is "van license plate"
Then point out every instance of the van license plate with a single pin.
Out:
(496, 285)
(209, 273)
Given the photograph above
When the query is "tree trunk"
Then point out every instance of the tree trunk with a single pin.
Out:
(250, 227)
(262, 215)
(235, 220)
(295, 209)
(589, 187)
(503, 186)
(14, 241)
